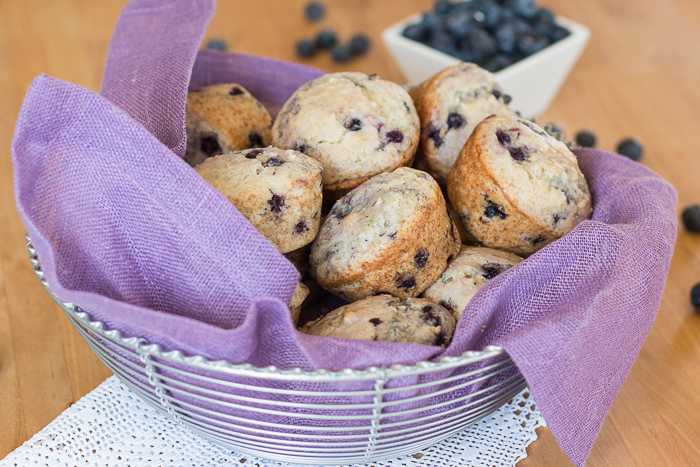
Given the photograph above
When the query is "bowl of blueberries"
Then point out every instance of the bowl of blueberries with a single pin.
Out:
(530, 50)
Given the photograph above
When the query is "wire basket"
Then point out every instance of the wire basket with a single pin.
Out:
(318, 417)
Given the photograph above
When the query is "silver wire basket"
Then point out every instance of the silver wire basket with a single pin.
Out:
(320, 417)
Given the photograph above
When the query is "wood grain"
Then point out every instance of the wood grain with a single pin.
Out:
(638, 77)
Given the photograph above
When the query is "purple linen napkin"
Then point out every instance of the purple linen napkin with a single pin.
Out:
(128, 231)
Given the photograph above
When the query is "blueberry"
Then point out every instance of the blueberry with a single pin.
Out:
(394, 136)
(507, 99)
(492, 270)
(301, 227)
(492, 15)
(492, 209)
(314, 11)
(359, 44)
(235, 91)
(255, 140)
(691, 217)
(209, 144)
(421, 258)
(341, 53)
(432, 22)
(376, 321)
(326, 39)
(274, 162)
(630, 147)
(459, 25)
(525, 8)
(404, 282)
(521, 26)
(455, 120)
(531, 44)
(416, 32)
(443, 7)
(306, 48)
(216, 44)
(276, 203)
(506, 38)
(434, 134)
(354, 124)
(444, 42)
(585, 139)
(545, 15)
(481, 44)
(695, 297)
(558, 33)
(503, 137)
(498, 62)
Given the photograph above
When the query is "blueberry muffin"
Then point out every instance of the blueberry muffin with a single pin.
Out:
(391, 235)
(516, 187)
(355, 125)
(278, 191)
(450, 105)
(300, 294)
(386, 318)
(224, 118)
(472, 268)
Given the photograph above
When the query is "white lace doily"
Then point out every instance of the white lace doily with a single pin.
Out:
(113, 427)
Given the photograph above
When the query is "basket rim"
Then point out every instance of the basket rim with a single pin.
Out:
(78, 316)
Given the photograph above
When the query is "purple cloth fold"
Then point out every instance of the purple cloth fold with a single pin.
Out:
(128, 231)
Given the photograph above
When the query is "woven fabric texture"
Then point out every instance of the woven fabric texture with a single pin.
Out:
(128, 231)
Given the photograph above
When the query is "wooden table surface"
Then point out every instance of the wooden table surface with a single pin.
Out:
(639, 76)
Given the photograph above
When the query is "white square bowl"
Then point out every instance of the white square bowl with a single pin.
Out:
(532, 82)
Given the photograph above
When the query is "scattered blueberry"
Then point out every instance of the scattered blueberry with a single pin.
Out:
(306, 48)
(216, 44)
(585, 139)
(359, 44)
(695, 297)
(315, 11)
(326, 39)
(341, 53)
(631, 148)
(691, 217)
(235, 91)
(507, 99)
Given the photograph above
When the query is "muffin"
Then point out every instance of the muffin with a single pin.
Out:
(468, 272)
(278, 191)
(391, 235)
(300, 294)
(517, 188)
(224, 118)
(450, 105)
(355, 125)
(386, 318)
